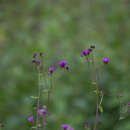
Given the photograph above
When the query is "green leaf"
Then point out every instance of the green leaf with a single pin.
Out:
(39, 125)
(123, 116)
(100, 108)
(33, 127)
(45, 91)
(34, 97)
(94, 83)
(96, 91)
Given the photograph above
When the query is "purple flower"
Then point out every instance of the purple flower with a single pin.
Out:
(30, 119)
(62, 64)
(33, 61)
(92, 46)
(37, 62)
(44, 111)
(34, 55)
(105, 60)
(37, 105)
(67, 67)
(84, 52)
(88, 51)
(40, 111)
(41, 54)
(51, 69)
(71, 128)
(65, 127)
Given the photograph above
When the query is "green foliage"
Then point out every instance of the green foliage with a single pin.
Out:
(100, 108)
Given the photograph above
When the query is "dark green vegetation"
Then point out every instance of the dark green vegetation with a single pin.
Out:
(61, 29)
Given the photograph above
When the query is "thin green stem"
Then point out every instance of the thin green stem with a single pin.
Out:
(116, 127)
(101, 100)
(43, 121)
(94, 70)
(38, 99)
(50, 89)
(97, 105)
(88, 63)
(95, 125)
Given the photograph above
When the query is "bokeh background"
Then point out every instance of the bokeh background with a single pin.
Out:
(61, 29)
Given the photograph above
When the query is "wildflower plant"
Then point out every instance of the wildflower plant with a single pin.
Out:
(39, 120)
(93, 72)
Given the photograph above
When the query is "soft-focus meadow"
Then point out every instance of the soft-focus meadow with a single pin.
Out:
(61, 29)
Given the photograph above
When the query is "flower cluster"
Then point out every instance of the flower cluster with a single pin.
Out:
(36, 61)
(66, 127)
(88, 52)
(40, 112)
(63, 64)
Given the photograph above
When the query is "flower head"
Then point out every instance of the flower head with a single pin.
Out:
(71, 128)
(105, 60)
(92, 46)
(37, 105)
(33, 61)
(34, 55)
(30, 119)
(84, 52)
(88, 51)
(40, 111)
(41, 54)
(67, 67)
(36, 61)
(62, 64)
(44, 111)
(65, 127)
(51, 69)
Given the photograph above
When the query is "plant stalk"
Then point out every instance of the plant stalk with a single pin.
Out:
(38, 100)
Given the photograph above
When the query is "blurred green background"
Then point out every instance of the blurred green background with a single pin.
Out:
(61, 29)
